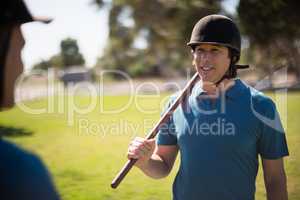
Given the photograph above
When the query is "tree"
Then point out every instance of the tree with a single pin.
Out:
(273, 29)
(56, 61)
(70, 54)
(149, 37)
(42, 65)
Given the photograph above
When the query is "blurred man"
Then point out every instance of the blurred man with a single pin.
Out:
(22, 174)
(221, 128)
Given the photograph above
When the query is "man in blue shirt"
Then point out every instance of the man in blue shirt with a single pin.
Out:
(220, 129)
(22, 174)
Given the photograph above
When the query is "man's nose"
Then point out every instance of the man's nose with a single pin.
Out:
(206, 55)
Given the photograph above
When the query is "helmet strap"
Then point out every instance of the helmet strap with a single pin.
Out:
(232, 71)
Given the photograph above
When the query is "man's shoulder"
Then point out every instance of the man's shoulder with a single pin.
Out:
(171, 99)
(174, 95)
(16, 161)
(11, 152)
(256, 95)
(260, 101)
(260, 97)
(23, 174)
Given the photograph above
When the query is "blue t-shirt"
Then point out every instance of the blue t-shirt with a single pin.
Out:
(23, 175)
(219, 142)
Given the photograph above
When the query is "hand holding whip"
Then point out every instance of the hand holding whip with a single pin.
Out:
(129, 164)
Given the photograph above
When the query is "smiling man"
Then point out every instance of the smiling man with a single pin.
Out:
(218, 130)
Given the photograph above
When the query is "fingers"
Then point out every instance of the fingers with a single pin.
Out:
(140, 142)
(141, 148)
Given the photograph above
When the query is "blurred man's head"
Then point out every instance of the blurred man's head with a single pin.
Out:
(13, 13)
(11, 63)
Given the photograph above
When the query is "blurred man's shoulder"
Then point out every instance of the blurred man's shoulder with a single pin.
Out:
(10, 152)
(20, 170)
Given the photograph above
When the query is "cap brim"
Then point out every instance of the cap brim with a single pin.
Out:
(45, 20)
(213, 43)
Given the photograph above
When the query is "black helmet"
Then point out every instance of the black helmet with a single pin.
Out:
(216, 29)
(220, 30)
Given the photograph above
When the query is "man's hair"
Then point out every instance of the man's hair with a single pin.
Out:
(5, 36)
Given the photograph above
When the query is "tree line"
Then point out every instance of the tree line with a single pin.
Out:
(149, 38)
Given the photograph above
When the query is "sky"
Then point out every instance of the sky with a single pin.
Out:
(72, 18)
(77, 19)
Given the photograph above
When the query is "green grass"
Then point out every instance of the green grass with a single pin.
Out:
(83, 163)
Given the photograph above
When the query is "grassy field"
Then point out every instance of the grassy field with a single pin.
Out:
(85, 151)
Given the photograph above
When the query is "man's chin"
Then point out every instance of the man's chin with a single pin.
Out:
(208, 79)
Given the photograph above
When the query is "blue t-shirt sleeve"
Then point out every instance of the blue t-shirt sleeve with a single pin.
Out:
(23, 175)
(166, 133)
(272, 141)
(36, 182)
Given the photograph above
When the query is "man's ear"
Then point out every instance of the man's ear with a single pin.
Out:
(234, 59)
(233, 56)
